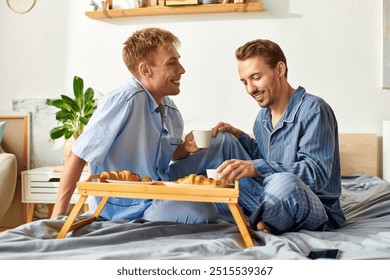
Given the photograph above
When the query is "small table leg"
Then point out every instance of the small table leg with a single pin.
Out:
(100, 206)
(72, 216)
(49, 209)
(242, 226)
(30, 212)
(69, 225)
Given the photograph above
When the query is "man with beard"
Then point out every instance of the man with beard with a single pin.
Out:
(290, 172)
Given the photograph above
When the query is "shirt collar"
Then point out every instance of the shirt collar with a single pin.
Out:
(292, 108)
(294, 104)
(152, 103)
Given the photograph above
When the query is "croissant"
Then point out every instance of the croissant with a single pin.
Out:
(195, 179)
(146, 179)
(124, 175)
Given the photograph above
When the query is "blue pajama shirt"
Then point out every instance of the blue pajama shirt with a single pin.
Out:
(128, 132)
(299, 162)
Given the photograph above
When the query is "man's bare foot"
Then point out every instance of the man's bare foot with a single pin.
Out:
(261, 226)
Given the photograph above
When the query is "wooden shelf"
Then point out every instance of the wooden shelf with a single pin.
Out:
(178, 10)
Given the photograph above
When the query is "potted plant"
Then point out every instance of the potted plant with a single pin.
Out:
(74, 113)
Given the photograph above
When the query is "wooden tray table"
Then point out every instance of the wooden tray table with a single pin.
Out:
(156, 190)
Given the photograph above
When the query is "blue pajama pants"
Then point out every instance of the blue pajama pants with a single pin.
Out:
(182, 212)
(281, 200)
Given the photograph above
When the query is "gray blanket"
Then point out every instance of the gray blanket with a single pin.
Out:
(365, 200)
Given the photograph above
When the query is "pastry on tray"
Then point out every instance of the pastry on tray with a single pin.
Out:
(195, 179)
(124, 175)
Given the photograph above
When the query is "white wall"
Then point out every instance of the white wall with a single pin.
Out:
(333, 48)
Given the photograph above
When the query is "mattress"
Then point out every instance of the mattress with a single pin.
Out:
(365, 201)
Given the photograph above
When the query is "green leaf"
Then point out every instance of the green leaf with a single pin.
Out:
(84, 120)
(68, 134)
(59, 103)
(57, 132)
(63, 115)
(70, 103)
(88, 109)
(89, 93)
(78, 89)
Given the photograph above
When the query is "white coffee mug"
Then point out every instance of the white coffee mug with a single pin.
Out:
(202, 138)
(212, 173)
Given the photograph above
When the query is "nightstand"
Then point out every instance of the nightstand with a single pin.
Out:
(40, 185)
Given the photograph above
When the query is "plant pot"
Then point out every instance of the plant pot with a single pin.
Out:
(68, 144)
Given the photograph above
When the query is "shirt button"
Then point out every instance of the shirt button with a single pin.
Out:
(271, 146)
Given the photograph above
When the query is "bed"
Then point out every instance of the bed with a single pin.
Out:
(365, 200)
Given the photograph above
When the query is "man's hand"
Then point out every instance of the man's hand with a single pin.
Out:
(225, 127)
(234, 169)
(70, 176)
(189, 143)
(185, 148)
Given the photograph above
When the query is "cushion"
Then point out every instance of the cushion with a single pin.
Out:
(8, 172)
(2, 126)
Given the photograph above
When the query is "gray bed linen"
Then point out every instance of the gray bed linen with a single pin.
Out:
(365, 200)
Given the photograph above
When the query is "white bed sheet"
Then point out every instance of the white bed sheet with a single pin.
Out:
(365, 200)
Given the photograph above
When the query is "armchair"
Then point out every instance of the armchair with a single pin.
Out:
(8, 176)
